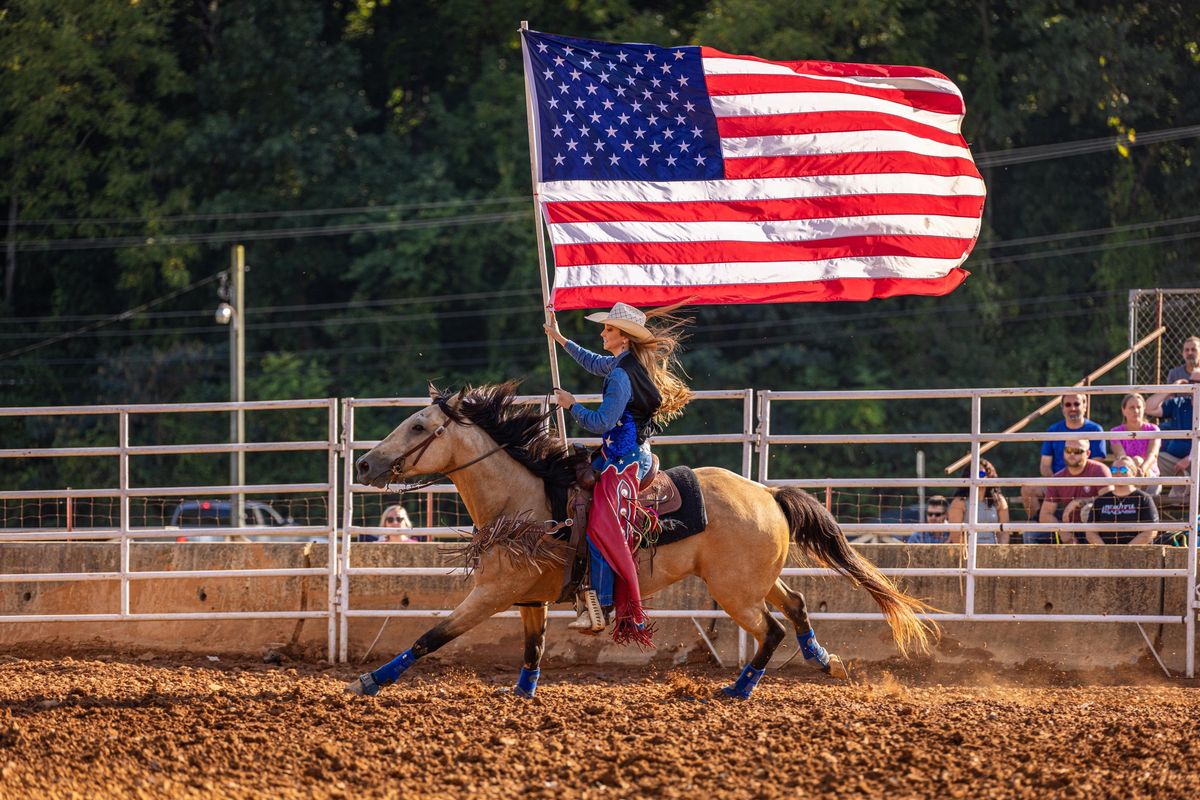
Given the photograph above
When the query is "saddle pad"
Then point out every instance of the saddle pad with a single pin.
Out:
(690, 518)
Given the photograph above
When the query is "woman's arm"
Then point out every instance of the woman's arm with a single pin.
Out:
(955, 514)
(1118, 449)
(1002, 537)
(592, 362)
(617, 393)
(1152, 453)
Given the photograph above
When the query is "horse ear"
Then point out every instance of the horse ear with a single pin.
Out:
(433, 391)
(455, 401)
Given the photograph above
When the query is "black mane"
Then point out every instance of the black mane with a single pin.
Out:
(517, 426)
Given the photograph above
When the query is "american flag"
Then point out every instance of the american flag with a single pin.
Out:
(684, 173)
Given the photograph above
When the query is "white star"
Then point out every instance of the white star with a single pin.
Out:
(620, 91)
(595, 53)
(629, 79)
(655, 82)
(627, 145)
(572, 144)
(622, 57)
(564, 88)
(552, 102)
(611, 131)
(574, 74)
(649, 55)
(653, 120)
(637, 69)
(683, 147)
(594, 117)
(689, 107)
(623, 119)
(639, 133)
(662, 107)
(608, 104)
(586, 64)
(696, 133)
(668, 134)
(682, 80)
(599, 145)
(591, 89)
(670, 161)
(674, 95)
(699, 161)
(646, 94)
(558, 160)
(678, 55)
(611, 66)
(579, 102)
(666, 69)
(542, 47)
(604, 77)
(587, 159)
(637, 106)
(549, 73)
(655, 147)
(614, 160)
(568, 51)
(584, 131)
(568, 117)
(643, 161)
(557, 131)
(680, 118)
(558, 61)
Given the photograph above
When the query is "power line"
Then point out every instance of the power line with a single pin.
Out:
(1044, 152)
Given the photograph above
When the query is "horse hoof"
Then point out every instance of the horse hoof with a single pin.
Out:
(732, 693)
(363, 686)
(512, 691)
(836, 668)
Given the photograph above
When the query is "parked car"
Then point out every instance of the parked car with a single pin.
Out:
(219, 514)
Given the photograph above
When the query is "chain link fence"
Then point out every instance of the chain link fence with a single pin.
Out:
(1179, 311)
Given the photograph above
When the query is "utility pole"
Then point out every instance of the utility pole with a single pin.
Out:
(237, 379)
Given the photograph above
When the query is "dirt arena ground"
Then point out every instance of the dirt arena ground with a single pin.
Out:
(127, 726)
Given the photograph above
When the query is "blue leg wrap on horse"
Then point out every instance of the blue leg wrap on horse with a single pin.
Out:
(527, 683)
(812, 649)
(603, 577)
(745, 683)
(391, 671)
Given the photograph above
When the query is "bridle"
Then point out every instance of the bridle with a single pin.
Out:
(397, 465)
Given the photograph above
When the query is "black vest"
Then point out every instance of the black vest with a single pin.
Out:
(646, 399)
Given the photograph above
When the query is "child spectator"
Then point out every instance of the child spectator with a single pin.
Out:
(993, 507)
(1144, 452)
(1123, 503)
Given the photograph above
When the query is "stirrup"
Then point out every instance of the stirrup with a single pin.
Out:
(591, 616)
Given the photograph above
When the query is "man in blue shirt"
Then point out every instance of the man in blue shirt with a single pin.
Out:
(1074, 408)
(935, 514)
(1175, 457)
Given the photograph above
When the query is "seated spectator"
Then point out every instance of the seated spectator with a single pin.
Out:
(1144, 452)
(1074, 408)
(935, 515)
(396, 517)
(1065, 503)
(1124, 503)
(1175, 456)
(1191, 361)
(993, 507)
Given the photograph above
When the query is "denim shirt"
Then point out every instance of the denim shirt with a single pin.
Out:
(611, 420)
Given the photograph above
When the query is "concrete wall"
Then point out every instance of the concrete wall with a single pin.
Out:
(1068, 645)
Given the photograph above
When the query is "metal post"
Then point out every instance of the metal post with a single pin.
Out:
(748, 430)
(343, 596)
(973, 504)
(331, 515)
(764, 432)
(921, 475)
(123, 484)
(1158, 343)
(237, 380)
(1192, 604)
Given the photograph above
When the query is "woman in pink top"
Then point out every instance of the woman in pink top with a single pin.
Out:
(1144, 452)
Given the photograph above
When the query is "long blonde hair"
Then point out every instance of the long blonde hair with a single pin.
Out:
(658, 356)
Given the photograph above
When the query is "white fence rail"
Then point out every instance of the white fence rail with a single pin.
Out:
(341, 447)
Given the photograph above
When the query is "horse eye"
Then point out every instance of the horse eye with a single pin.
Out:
(418, 428)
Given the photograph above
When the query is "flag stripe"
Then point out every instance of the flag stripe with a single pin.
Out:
(741, 66)
(833, 68)
(831, 122)
(847, 164)
(783, 209)
(734, 272)
(717, 252)
(760, 189)
(823, 291)
(760, 231)
(725, 85)
(838, 143)
(757, 104)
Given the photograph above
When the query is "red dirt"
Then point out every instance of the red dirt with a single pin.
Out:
(181, 727)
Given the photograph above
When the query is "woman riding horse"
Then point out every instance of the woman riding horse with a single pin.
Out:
(641, 392)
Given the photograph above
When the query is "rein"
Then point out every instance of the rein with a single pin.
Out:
(420, 447)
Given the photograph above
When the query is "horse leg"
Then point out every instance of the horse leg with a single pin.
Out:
(482, 603)
(533, 619)
(767, 631)
(791, 603)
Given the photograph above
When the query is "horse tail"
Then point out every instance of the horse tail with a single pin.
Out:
(816, 531)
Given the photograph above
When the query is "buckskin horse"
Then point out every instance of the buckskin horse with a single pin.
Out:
(501, 457)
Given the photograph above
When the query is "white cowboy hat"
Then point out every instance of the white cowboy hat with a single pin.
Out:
(625, 318)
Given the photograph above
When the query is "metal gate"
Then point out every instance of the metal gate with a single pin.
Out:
(1149, 309)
